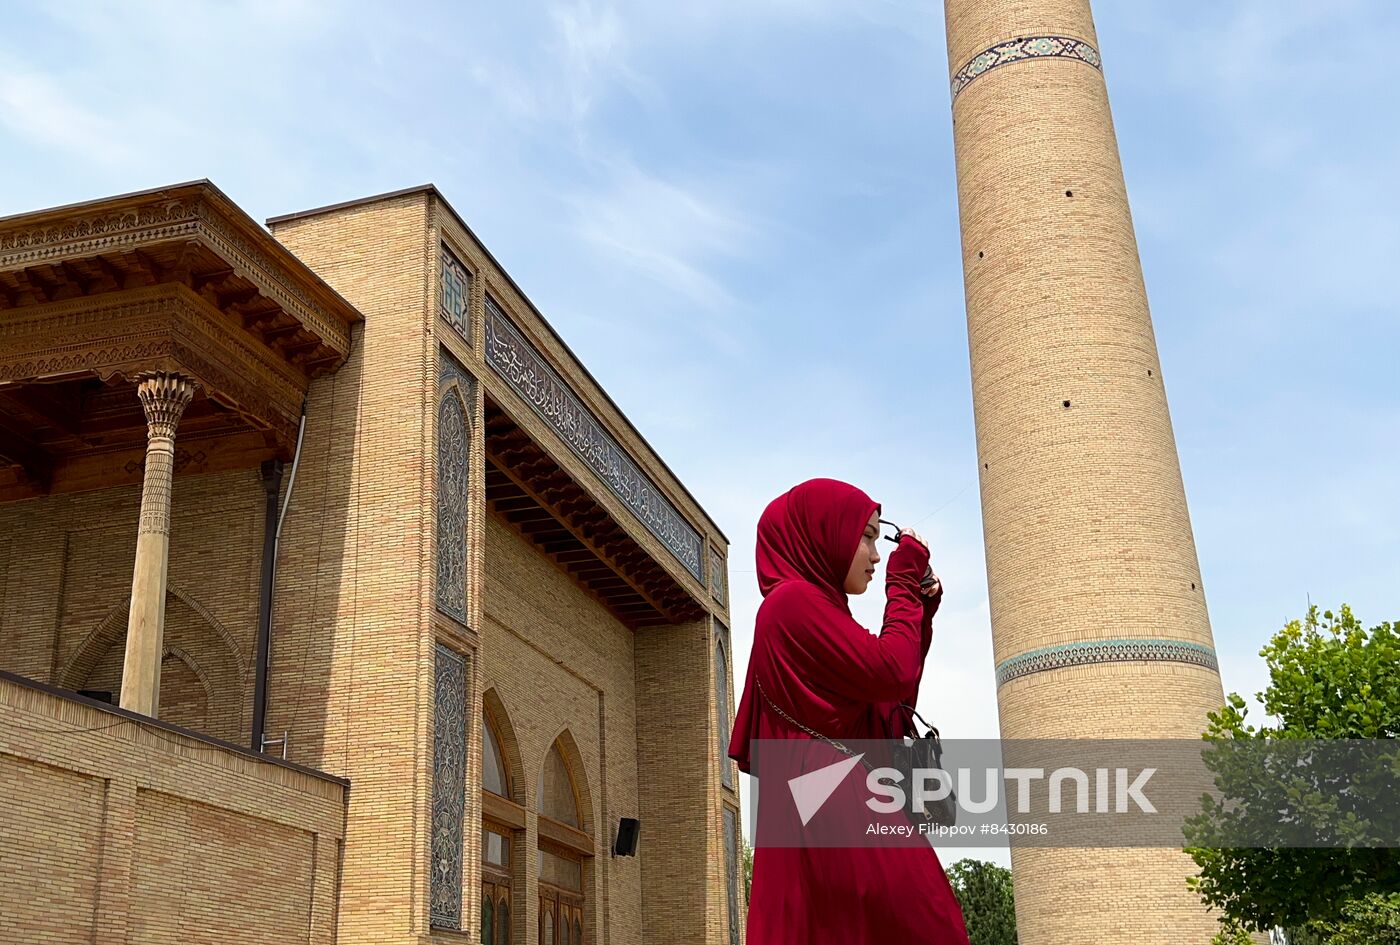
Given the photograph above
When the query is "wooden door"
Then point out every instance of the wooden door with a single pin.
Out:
(549, 925)
(561, 917)
(496, 910)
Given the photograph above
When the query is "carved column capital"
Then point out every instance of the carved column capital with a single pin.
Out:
(164, 397)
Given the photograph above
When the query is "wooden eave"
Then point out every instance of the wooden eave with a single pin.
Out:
(190, 234)
(177, 279)
(538, 500)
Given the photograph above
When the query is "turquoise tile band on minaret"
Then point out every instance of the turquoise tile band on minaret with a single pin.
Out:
(1085, 652)
(1019, 50)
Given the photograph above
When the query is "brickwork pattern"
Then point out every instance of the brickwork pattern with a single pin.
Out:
(1087, 532)
(133, 834)
(352, 674)
(556, 661)
(64, 617)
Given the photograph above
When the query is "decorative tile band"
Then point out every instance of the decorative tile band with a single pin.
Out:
(449, 787)
(455, 302)
(1019, 50)
(512, 357)
(453, 485)
(719, 578)
(1086, 652)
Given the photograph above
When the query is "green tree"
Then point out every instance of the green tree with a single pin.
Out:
(1329, 678)
(989, 908)
(748, 870)
(1371, 920)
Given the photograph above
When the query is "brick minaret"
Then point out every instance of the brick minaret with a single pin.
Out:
(1098, 613)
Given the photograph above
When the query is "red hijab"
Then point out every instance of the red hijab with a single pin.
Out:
(810, 533)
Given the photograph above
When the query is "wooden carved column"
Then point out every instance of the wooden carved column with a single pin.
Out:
(164, 398)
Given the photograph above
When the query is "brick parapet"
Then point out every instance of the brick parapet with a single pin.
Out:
(129, 830)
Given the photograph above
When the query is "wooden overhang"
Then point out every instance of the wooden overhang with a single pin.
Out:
(545, 506)
(177, 279)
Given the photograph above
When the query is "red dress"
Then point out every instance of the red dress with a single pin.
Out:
(824, 669)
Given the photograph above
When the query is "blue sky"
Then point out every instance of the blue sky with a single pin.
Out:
(742, 216)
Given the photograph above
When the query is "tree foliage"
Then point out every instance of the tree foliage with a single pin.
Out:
(988, 905)
(748, 871)
(1329, 678)
(1371, 920)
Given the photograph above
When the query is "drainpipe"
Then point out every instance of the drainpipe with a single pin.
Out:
(272, 532)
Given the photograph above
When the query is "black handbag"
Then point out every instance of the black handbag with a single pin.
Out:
(922, 751)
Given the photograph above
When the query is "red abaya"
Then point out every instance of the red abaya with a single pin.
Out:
(820, 666)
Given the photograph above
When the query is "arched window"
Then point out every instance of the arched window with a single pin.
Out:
(495, 777)
(726, 772)
(556, 789)
(563, 846)
(502, 818)
(488, 921)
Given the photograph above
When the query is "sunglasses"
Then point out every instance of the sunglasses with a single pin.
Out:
(895, 537)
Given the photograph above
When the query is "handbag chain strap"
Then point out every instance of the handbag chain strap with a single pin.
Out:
(830, 741)
(833, 742)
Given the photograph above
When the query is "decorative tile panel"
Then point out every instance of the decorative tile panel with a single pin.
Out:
(449, 787)
(453, 487)
(455, 304)
(726, 764)
(1019, 50)
(719, 577)
(731, 872)
(512, 357)
(1105, 651)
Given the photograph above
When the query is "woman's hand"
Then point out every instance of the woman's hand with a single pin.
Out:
(915, 535)
(930, 586)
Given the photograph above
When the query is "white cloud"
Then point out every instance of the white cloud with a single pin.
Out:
(666, 231)
(36, 109)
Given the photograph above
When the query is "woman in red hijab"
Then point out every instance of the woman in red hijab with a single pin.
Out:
(814, 662)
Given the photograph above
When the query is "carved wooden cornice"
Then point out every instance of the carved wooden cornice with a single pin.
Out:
(532, 378)
(197, 214)
(542, 503)
(159, 328)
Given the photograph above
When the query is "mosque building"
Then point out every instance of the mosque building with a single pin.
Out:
(338, 602)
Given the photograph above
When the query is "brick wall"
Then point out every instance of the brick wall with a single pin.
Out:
(352, 663)
(63, 613)
(557, 661)
(116, 832)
